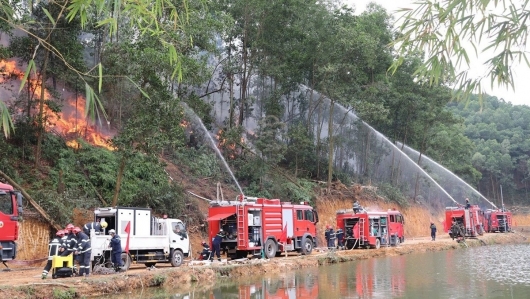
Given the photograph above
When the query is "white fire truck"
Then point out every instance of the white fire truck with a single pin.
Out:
(150, 239)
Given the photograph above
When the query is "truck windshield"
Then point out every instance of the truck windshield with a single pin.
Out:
(6, 204)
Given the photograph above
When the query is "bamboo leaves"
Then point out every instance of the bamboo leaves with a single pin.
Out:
(446, 30)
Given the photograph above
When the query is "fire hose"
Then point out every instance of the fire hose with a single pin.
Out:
(27, 262)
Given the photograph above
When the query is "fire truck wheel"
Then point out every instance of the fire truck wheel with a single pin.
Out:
(176, 258)
(398, 241)
(307, 246)
(403, 239)
(126, 260)
(270, 248)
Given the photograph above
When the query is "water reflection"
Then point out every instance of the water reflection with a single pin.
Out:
(484, 272)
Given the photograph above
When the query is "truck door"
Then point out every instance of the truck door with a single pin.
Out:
(8, 225)
(178, 236)
(310, 218)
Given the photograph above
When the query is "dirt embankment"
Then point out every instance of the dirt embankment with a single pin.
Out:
(26, 283)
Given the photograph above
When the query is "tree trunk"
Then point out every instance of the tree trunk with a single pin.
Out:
(31, 201)
(40, 118)
(118, 181)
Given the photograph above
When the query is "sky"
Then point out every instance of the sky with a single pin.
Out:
(521, 95)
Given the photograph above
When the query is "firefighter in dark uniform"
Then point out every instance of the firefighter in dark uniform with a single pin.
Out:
(433, 231)
(329, 234)
(71, 241)
(96, 226)
(217, 245)
(468, 205)
(83, 251)
(115, 245)
(340, 238)
(206, 252)
(70, 244)
(357, 207)
(53, 249)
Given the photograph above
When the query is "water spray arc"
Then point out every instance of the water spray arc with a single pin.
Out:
(360, 152)
(379, 135)
(436, 167)
(197, 121)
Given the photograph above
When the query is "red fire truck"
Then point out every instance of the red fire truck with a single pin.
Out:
(371, 229)
(252, 225)
(10, 210)
(498, 220)
(462, 222)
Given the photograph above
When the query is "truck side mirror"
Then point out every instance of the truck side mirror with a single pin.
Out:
(19, 199)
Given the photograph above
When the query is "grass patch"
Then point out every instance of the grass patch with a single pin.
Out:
(64, 294)
(157, 280)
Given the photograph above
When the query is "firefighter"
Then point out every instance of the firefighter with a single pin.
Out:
(115, 255)
(53, 250)
(83, 251)
(340, 238)
(357, 207)
(70, 243)
(217, 245)
(206, 252)
(468, 205)
(329, 234)
(96, 226)
(433, 231)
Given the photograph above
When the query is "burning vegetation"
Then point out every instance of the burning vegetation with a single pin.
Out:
(67, 119)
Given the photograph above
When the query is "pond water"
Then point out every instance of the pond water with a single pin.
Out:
(481, 272)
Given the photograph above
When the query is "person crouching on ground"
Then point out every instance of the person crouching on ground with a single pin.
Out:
(433, 231)
(115, 255)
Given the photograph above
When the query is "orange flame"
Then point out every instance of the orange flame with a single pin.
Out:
(71, 122)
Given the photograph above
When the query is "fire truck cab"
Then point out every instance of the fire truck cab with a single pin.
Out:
(498, 220)
(461, 222)
(371, 229)
(254, 225)
(10, 210)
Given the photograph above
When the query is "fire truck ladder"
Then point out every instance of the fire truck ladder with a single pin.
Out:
(241, 226)
(361, 232)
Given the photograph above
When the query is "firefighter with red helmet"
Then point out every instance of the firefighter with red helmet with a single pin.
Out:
(206, 252)
(70, 243)
(53, 250)
(83, 251)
